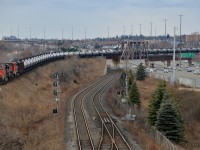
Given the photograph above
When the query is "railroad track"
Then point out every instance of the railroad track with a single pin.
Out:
(110, 136)
(109, 128)
(83, 134)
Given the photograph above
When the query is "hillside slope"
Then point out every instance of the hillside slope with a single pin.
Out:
(26, 103)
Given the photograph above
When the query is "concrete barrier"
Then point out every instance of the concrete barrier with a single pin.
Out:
(186, 81)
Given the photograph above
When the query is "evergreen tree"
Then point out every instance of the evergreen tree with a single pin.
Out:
(141, 73)
(130, 79)
(169, 120)
(155, 102)
(134, 95)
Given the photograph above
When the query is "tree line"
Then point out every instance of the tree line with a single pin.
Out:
(164, 113)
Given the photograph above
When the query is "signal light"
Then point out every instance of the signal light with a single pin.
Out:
(123, 76)
(56, 84)
(56, 92)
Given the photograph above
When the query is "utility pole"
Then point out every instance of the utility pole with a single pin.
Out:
(11, 31)
(131, 30)
(85, 33)
(151, 30)
(2, 33)
(62, 34)
(72, 33)
(140, 29)
(30, 32)
(173, 76)
(18, 32)
(124, 30)
(165, 27)
(108, 32)
(180, 39)
(44, 33)
(155, 34)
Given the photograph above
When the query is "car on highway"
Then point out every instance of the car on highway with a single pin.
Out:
(197, 72)
(169, 67)
(189, 70)
(179, 69)
(166, 70)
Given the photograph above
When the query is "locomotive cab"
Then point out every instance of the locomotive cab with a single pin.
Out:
(2, 73)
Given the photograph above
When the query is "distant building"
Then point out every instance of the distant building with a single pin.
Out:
(193, 38)
(10, 38)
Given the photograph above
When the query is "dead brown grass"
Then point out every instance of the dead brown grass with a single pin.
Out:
(26, 104)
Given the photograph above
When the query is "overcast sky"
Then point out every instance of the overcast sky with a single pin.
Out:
(96, 16)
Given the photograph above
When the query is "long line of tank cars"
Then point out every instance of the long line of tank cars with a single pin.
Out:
(15, 68)
(170, 51)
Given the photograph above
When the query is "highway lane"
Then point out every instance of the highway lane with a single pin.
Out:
(159, 66)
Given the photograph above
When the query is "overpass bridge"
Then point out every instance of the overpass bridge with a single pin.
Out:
(140, 50)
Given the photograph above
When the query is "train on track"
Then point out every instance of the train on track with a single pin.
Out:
(16, 68)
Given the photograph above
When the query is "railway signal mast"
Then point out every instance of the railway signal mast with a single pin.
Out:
(56, 93)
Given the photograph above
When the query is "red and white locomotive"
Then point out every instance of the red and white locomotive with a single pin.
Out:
(11, 70)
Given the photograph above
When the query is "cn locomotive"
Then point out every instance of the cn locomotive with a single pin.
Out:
(18, 67)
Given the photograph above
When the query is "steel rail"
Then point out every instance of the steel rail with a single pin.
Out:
(103, 124)
(84, 92)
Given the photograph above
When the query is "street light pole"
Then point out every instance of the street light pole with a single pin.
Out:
(44, 33)
(62, 34)
(72, 33)
(180, 39)
(165, 27)
(85, 32)
(173, 75)
(18, 32)
(2, 34)
(30, 33)
(124, 30)
(108, 32)
(140, 29)
(131, 30)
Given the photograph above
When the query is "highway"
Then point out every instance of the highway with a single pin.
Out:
(159, 68)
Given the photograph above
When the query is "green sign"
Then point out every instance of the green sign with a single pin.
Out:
(187, 55)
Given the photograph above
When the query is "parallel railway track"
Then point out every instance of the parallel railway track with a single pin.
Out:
(110, 136)
(109, 128)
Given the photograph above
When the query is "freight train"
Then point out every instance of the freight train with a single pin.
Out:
(16, 68)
